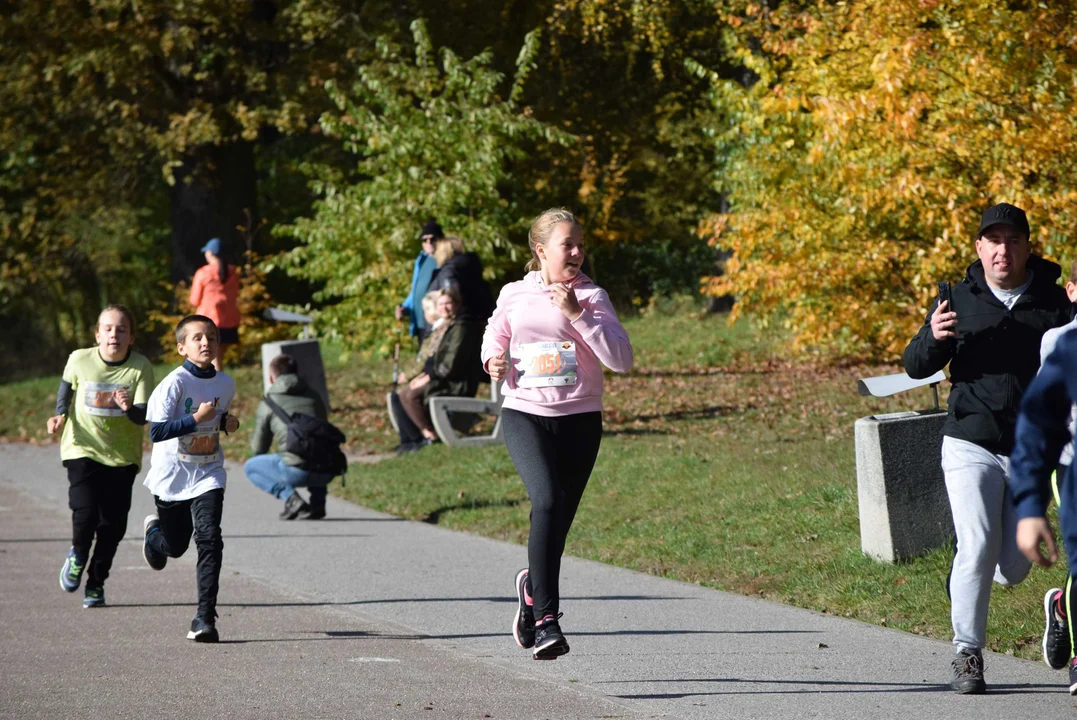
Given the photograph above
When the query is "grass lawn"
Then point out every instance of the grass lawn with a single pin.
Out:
(724, 463)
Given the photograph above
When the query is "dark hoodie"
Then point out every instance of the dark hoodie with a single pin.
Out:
(996, 353)
(465, 272)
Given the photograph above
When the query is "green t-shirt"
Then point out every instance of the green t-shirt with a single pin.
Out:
(96, 428)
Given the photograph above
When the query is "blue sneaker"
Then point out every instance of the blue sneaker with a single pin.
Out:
(95, 597)
(154, 559)
(71, 572)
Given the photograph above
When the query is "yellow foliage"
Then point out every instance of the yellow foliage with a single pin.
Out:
(857, 182)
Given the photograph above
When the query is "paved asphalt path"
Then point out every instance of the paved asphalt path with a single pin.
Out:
(364, 615)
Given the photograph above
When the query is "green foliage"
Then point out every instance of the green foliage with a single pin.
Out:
(434, 140)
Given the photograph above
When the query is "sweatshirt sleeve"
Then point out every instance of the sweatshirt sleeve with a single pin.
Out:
(64, 395)
(66, 392)
(160, 410)
(604, 334)
(925, 355)
(168, 429)
(498, 334)
(1042, 431)
(137, 414)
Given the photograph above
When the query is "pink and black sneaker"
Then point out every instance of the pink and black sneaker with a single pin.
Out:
(1056, 633)
(523, 625)
(550, 643)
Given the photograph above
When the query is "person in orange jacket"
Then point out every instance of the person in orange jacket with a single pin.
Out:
(215, 294)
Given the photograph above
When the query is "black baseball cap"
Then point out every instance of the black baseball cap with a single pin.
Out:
(1004, 214)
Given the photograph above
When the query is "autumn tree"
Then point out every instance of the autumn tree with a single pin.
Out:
(858, 165)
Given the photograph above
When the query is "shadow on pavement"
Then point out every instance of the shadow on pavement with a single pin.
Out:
(434, 516)
(322, 635)
(314, 603)
(819, 687)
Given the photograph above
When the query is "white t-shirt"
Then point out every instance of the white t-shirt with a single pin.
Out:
(1009, 297)
(190, 465)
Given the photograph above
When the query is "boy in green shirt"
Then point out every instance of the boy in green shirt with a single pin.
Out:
(100, 409)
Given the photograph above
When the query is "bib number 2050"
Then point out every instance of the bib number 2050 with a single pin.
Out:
(546, 364)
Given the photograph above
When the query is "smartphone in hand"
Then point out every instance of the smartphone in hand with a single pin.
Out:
(944, 296)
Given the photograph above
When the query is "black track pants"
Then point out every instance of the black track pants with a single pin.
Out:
(199, 517)
(100, 498)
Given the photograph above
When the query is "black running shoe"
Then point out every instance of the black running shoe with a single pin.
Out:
(1073, 677)
(968, 673)
(1056, 634)
(154, 559)
(550, 644)
(523, 624)
(203, 631)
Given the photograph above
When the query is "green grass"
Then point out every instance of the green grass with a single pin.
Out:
(725, 463)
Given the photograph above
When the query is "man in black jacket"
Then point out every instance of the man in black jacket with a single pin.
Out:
(990, 334)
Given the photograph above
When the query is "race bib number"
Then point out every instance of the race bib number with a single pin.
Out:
(546, 364)
(203, 445)
(97, 399)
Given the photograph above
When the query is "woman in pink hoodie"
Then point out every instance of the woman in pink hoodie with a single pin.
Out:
(549, 337)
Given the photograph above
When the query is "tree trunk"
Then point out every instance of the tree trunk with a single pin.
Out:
(214, 188)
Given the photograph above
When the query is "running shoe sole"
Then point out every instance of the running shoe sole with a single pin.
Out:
(1073, 689)
(551, 650)
(1047, 613)
(520, 609)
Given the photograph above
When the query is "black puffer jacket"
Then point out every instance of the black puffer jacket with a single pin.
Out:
(996, 353)
(465, 272)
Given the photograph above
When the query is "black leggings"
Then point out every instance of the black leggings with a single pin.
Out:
(554, 456)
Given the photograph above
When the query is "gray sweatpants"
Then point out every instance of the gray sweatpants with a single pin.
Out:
(986, 526)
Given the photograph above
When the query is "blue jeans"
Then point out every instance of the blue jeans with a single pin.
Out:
(270, 473)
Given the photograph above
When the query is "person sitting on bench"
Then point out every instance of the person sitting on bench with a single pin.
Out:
(448, 370)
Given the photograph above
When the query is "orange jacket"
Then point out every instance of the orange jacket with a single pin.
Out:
(220, 303)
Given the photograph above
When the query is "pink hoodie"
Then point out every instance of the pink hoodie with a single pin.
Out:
(525, 315)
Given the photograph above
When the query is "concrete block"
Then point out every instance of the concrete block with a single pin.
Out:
(904, 510)
(308, 355)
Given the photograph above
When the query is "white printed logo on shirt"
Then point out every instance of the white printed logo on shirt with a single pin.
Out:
(203, 445)
(546, 364)
(97, 398)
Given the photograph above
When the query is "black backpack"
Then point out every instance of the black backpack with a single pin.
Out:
(315, 440)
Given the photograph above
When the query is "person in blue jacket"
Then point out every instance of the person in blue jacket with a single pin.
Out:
(425, 266)
(1042, 433)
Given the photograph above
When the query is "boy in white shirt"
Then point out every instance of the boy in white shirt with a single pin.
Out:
(186, 413)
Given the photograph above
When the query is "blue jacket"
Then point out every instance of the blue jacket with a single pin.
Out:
(1042, 432)
(420, 282)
